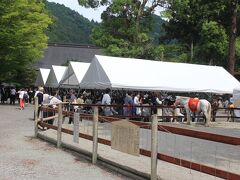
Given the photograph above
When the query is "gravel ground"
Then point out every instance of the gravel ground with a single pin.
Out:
(24, 157)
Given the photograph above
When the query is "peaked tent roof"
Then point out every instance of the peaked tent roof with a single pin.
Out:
(42, 77)
(55, 76)
(138, 74)
(74, 74)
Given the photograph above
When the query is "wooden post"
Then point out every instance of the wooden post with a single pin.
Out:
(64, 100)
(59, 130)
(154, 134)
(35, 116)
(76, 118)
(95, 134)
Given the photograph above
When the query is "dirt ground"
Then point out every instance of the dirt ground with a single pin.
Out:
(24, 157)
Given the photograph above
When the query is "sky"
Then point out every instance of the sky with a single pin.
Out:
(91, 14)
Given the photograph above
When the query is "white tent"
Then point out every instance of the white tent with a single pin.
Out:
(42, 77)
(55, 76)
(138, 74)
(74, 74)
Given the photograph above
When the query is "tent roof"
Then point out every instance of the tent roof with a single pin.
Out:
(138, 74)
(42, 77)
(74, 74)
(55, 76)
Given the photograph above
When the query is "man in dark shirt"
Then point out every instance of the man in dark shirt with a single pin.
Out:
(40, 98)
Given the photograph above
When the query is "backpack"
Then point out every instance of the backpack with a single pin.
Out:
(25, 96)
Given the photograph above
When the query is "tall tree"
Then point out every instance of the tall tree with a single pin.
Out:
(22, 37)
(186, 19)
(126, 26)
(232, 37)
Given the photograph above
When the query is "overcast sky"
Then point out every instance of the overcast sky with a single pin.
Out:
(87, 13)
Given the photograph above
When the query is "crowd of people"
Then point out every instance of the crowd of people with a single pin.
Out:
(133, 104)
(126, 103)
(12, 95)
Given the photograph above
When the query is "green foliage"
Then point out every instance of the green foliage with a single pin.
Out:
(69, 26)
(211, 46)
(22, 38)
(176, 52)
(126, 29)
(187, 17)
(238, 53)
(157, 31)
(93, 3)
(203, 23)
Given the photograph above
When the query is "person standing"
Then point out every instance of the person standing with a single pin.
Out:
(12, 95)
(3, 94)
(106, 100)
(72, 101)
(21, 93)
(39, 95)
(215, 106)
(158, 103)
(80, 100)
(128, 102)
(136, 103)
(30, 93)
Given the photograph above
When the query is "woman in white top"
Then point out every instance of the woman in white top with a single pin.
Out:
(136, 102)
(21, 93)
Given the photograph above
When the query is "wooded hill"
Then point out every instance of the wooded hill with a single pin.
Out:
(68, 25)
(71, 27)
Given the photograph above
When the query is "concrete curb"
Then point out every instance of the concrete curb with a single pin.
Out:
(127, 171)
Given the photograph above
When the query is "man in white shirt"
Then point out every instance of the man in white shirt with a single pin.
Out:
(106, 100)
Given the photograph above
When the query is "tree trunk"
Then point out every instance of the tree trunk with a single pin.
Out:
(191, 57)
(232, 38)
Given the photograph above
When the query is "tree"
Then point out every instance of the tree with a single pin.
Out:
(232, 37)
(125, 28)
(22, 37)
(186, 19)
(211, 47)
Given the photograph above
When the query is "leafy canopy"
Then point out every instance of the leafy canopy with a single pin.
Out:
(22, 38)
(126, 27)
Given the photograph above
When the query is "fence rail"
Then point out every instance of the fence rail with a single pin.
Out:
(144, 125)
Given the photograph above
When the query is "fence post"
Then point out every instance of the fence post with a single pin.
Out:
(76, 118)
(59, 130)
(95, 134)
(154, 134)
(35, 116)
(64, 100)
